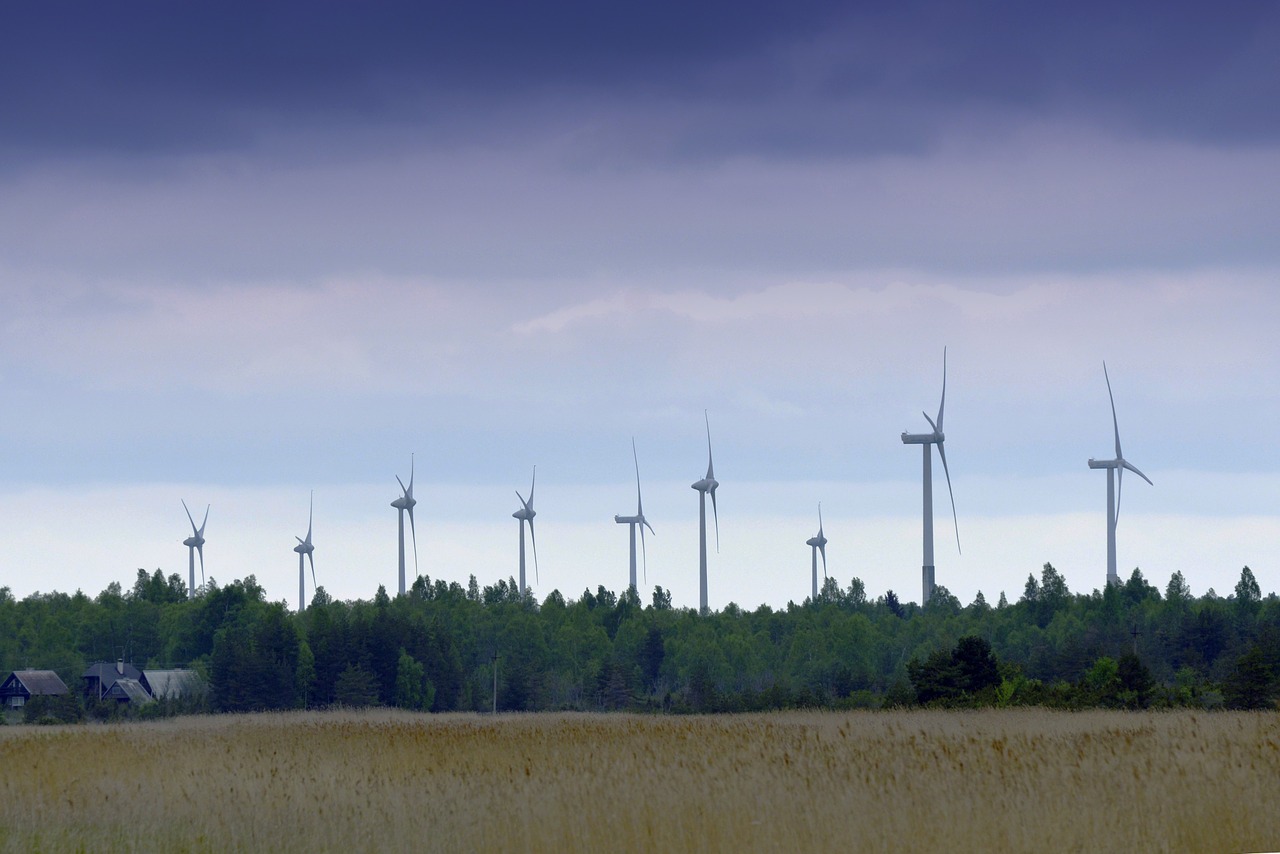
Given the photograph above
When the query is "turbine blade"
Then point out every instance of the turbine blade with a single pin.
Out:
(523, 503)
(206, 519)
(820, 522)
(943, 454)
(823, 549)
(534, 539)
(711, 471)
(716, 513)
(1131, 467)
(311, 560)
(1119, 489)
(410, 474)
(200, 549)
(403, 489)
(310, 514)
(639, 502)
(189, 519)
(301, 541)
(942, 405)
(644, 553)
(414, 533)
(931, 422)
(533, 484)
(1114, 421)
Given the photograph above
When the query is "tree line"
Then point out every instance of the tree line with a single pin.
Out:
(443, 647)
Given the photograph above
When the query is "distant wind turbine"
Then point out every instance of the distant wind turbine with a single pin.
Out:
(635, 520)
(818, 544)
(707, 485)
(1115, 484)
(195, 543)
(405, 503)
(937, 437)
(304, 547)
(526, 514)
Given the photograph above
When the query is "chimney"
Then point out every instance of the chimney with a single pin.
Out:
(120, 666)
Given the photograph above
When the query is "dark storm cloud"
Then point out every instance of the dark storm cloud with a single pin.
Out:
(708, 78)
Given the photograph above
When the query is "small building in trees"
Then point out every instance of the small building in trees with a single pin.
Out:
(102, 679)
(22, 685)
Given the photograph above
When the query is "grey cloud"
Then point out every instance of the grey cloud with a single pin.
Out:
(782, 81)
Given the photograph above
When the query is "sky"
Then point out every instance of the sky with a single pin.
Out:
(259, 250)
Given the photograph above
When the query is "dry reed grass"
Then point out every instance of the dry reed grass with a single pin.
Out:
(382, 780)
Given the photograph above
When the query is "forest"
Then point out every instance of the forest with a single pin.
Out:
(444, 647)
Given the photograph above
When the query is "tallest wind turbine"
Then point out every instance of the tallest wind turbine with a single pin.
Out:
(937, 437)
(405, 503)
(1115, 483)
(707, 485)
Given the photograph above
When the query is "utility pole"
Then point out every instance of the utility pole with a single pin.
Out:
(1135, 634)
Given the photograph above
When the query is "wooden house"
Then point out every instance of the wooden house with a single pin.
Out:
(22, 685)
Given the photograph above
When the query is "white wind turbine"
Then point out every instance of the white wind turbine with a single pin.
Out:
(1115, 484)
(305, 548)
(635, 520)
(707, 485)
(194, 543)
(526, 514)
(405, 503)
(937, 437)
(818, 544)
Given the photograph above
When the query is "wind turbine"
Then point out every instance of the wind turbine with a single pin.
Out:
(707, 485)
(304, 547)
(635, 520)
(403, 503)
(194, 543)
(937, 437)
(526, 514)
(1115, 484)
(818, 544)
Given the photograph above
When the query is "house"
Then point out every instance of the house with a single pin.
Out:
(22, 685)
(101, 680)
(172, 684)
(126, 690)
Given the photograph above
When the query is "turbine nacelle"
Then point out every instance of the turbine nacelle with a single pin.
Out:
(934, 438)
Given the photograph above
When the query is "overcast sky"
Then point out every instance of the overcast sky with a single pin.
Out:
(250, 250)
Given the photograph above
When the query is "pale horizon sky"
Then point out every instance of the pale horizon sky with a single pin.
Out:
(250, 252)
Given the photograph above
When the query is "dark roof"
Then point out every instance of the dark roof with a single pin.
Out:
(36, 682)
(124, 688)
(105, 671)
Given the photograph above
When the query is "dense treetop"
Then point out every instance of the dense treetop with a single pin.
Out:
(436, 647)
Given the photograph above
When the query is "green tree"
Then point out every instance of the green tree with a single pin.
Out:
(1251, 683)
(410, 679)
(356, 687)
(1247, 589)
(306, 673)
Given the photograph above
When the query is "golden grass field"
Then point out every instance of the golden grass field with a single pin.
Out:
(382, 780)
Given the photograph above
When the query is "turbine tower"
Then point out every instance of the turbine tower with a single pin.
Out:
(707, 485)
(1115, 484)
(195, 543)
(304, 547)
(818, 544)
(635, 520)
(526, 514)
(403, 503)
(937, 437)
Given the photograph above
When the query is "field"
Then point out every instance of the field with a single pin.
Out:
(1021, 780)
